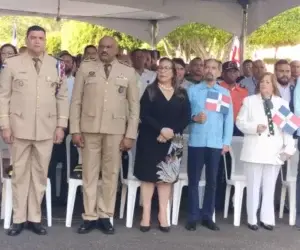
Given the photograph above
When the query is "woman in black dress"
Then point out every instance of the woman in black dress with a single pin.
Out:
(165, 112)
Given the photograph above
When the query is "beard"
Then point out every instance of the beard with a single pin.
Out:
(209, 77)
(68, 72)
(283, 81)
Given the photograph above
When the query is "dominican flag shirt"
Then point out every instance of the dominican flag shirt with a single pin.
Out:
(217, 102)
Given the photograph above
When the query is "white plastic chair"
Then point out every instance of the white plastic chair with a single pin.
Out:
(237, 180)
(289, 184)
(129, 187)
(7, 197)
(73, 183)
(183, 181)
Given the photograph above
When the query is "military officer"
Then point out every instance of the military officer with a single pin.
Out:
(33, 114)
(101, 126)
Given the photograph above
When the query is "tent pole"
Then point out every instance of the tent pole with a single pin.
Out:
(243, 38)
(154, 31)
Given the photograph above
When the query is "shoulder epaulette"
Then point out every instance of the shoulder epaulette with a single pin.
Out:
(125, 63)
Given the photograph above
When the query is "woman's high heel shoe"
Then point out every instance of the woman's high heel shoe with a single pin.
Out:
(145, 229)
(164, 229)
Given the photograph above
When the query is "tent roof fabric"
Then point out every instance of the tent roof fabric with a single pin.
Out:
(133, 16)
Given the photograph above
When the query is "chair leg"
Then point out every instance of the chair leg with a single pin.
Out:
(123, 200)
(49, 203)
(71, 202)
(131, 197)
(201, 196)
(169, 213)
(3, 201)
(8, 204)
(227, 199)
(58, 175)
(282, 200)
(292, 201)
(177, 190)
(238, 198)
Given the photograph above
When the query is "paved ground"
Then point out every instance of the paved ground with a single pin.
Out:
(229, 238)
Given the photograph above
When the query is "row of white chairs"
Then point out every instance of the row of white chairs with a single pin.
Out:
(130, 186)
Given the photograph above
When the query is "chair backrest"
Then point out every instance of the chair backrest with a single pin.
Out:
(237, 166)
(292, 167)
(4, 148)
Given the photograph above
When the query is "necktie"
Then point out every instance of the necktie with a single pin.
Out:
(107, 68)
(36, 64)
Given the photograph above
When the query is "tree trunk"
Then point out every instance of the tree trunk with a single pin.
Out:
(166, 47)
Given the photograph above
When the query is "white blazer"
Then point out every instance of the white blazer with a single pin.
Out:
(263, 148)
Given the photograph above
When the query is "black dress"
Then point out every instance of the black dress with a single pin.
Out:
(160, 162)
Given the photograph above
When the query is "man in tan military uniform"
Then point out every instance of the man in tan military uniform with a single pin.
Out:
(100, 125)
(33, 114)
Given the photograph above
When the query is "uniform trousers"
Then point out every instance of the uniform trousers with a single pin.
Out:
(30, 161)
(101, 154)
(261, 181)
(197, 158)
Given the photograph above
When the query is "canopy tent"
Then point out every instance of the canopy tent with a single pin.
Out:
(151, 20)
(134, 16)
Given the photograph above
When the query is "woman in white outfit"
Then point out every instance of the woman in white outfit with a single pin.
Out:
(265, 148)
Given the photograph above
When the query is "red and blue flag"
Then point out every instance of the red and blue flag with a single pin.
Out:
(286, 120)
(217, 102)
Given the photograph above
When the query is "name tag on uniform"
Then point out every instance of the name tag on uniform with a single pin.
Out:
(121, 77)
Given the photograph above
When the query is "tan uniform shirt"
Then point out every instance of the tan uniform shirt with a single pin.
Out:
(101, 105)
(28, 104)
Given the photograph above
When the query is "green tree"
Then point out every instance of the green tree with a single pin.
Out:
(76, 35)
(281, 30)
(196, 39)
(53, 43)
(22, 24)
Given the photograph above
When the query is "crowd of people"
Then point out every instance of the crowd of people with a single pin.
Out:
(111, 103)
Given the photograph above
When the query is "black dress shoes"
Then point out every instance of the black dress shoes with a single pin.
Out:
(191, 226)
(210, 225)
(105, 226)
(15, 229)
(37, 228)
(86, 227)
(267, 227)
(253, 227)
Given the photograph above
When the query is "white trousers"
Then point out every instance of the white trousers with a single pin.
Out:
(261, 179)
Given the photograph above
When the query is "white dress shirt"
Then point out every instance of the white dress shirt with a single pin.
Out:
(285, 92)
(70, 83)
(145, 79)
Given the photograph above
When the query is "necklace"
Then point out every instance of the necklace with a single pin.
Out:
(165, 88)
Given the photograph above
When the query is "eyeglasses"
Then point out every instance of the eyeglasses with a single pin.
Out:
(166, 68)
(8, 54)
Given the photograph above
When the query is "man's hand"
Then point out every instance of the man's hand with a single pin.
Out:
(78, 140)
(225, 149)
(161, 139)
(126, 144)
(7, 136)
(200, 118)
(167, 133)
(59, 135)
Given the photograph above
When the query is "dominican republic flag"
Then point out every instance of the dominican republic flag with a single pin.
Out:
(235, 51)
(286, 120)
(14, 39)
(217, 102)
